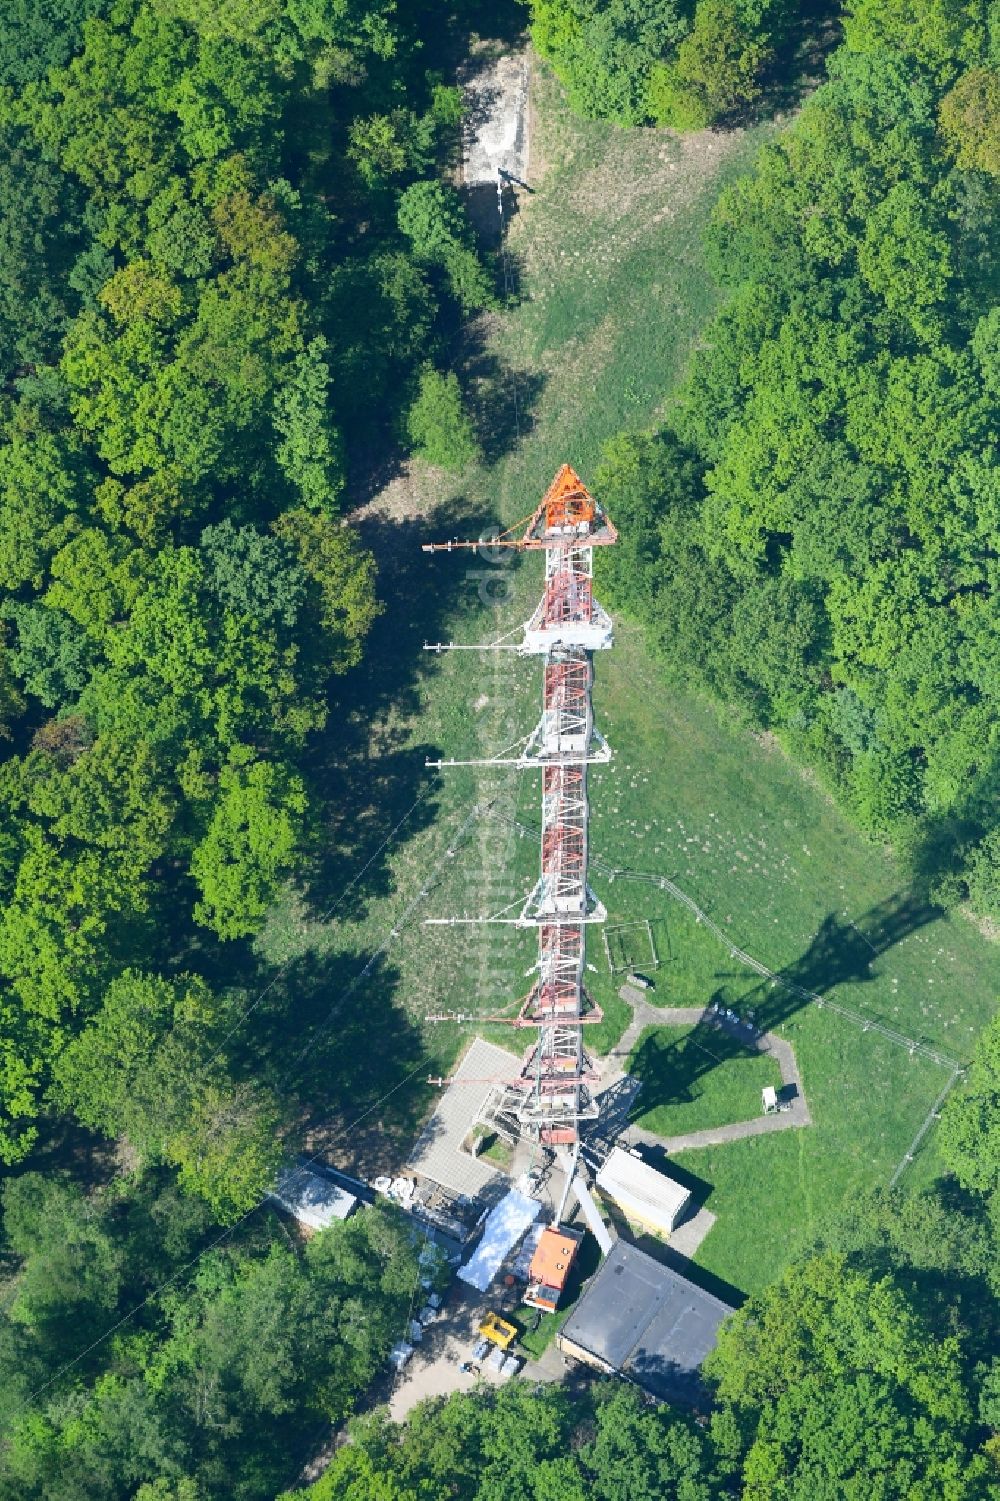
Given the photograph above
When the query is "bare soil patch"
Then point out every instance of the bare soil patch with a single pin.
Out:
(414, 489)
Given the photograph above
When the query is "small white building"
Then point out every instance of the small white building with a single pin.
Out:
(311, 1198)
(647, 1196)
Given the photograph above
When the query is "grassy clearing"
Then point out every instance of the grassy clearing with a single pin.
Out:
(640, 218)
(696, 797)
(612, 277)
(692, 1079)
(614, 293)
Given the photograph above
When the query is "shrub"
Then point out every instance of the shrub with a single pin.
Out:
(438, 425)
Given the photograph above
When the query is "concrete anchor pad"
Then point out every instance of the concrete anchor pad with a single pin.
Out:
(495, 128)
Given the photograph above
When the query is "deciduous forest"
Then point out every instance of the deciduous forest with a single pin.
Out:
(814, 533)
(226, 244)
(235, 277)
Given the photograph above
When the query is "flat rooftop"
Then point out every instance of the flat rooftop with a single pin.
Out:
(314, 1199)
(648, 1322)
(649, 1194)
(437, 1154)
(554, 1255)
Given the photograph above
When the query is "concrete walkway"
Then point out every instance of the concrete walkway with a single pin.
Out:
(438, 1151)
(688, 1236)
(646, 1015)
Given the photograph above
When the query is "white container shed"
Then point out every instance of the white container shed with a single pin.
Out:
(646, 1195)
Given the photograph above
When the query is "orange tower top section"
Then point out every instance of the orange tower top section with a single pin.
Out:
(567, 502)
(567, 513)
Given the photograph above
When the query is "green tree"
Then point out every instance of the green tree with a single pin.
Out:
(343, 577)
(606, 50)
(982, 874)
(970, 120)
(151, 1066)
(432, 217)
(438, 425)
(116, 1076)
(250, 844)
(644, 1454)
(829, 568)
(970, 1121)
(253, 575)
(36, 37)
(228, 1150)
(71, 1269)
(43, 480)
(804, 1368)
(715, 72)
(530, 1444)
(52, 657)
(40, 237)
(11, 699)
(111, 797)
(310, 450)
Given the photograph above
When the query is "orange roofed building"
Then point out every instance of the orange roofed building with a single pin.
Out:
(550, 1267)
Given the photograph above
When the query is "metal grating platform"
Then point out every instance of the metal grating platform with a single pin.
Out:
(437, 1154)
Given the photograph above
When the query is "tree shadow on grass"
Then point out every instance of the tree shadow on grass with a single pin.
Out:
(797, 65)
(498, 22)
(491, 226)
(343, 1056)
(671, 1068)
(365, 773)
(843, 952)
(503, 400)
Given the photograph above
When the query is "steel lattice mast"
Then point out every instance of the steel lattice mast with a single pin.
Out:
(551, 1096)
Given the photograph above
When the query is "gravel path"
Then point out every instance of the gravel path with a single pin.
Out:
(646, 1015)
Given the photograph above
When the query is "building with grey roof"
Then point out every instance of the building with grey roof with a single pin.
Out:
(642, 1320)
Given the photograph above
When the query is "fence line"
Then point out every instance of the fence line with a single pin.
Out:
(928, 1122)
(867, 1024)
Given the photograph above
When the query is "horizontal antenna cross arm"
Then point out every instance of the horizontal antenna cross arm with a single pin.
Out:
(440, 646)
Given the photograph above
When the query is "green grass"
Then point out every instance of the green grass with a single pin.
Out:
(694, 1077)
(615, 290)
(495, 1149)
(691, 794)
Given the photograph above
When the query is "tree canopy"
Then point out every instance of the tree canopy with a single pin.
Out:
(970, 1124)
(210, 218)
(814, 536)
(667, 62)
(219, 1381)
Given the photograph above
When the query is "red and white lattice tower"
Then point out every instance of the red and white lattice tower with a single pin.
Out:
(551, 1096)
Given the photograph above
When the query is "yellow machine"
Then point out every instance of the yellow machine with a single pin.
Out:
(498, 1331)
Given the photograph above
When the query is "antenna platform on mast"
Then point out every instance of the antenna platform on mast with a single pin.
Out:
(551, 1095)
